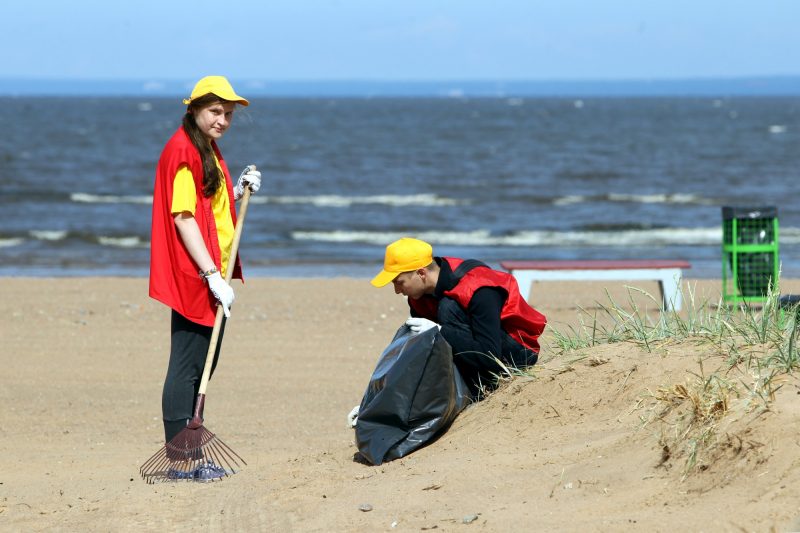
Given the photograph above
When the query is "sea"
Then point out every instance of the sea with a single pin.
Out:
(490, 178)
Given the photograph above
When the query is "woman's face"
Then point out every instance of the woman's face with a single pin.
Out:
(214, 119)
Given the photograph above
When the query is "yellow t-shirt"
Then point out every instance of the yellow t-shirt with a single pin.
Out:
(184, 198)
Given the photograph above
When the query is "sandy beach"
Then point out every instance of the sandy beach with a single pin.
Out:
(563, 450)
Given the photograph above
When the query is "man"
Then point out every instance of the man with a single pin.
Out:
(479, 311)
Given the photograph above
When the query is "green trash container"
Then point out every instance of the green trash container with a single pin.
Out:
(749, 253)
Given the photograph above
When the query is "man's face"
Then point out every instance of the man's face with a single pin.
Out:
(411, 284)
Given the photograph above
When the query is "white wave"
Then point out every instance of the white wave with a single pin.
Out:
(48, 235)
(636, 198)
(777, 128)
(379, 237)
(123, 242)
(7, 243)
(567, 200)
(332, 200)
(636, 238)
(110, 198)
(660, 198)
(324, 200)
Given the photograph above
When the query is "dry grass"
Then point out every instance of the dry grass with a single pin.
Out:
(753, 348)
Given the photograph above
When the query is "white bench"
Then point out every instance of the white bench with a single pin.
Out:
(667, 273)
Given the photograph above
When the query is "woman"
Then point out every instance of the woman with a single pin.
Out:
(191, 238)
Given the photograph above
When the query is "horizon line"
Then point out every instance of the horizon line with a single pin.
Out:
(366, 79)
(778, 85)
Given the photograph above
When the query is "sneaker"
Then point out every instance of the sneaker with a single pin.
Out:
(177, 475)
(209, 472)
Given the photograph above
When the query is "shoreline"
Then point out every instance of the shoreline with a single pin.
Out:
(288, 271)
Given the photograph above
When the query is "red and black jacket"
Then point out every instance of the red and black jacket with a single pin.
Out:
(521, 321)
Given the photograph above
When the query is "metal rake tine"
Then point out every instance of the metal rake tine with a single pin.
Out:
(154, 461)
(156, 470)
(230, 456)
(231, 452)
(224, 448)
(215, 459)
(155, 467)
(227, 454)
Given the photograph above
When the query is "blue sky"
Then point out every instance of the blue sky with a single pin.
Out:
(400, 39)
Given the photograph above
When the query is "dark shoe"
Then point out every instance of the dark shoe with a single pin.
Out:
(209, 472)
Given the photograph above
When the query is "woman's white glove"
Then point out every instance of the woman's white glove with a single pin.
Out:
(419, 324)
(249, 177)
(221, 291)
(352, 417)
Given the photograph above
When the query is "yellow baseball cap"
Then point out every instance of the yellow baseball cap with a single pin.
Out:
(217, 85)
(403, 255)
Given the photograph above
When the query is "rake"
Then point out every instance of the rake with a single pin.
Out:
(195, 446)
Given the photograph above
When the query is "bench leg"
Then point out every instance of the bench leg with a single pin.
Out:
(671, 291)
(524, 280)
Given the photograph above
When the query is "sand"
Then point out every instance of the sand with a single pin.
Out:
(83, 365)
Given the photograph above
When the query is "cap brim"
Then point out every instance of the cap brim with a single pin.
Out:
(235, 98)
(384, 278)
(231, 97)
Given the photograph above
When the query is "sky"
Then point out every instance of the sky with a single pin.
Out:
(395, 40)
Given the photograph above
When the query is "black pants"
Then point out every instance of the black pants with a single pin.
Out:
(187, 358)
(479, 369)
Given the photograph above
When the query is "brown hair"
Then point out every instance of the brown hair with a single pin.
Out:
(212, 177)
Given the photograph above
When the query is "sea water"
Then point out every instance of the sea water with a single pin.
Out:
(486, 178)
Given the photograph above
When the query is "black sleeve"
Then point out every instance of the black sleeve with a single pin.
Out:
(484, 314)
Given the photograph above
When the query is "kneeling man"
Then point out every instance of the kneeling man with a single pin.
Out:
(478, 310)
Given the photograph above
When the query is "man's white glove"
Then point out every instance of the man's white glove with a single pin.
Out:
(352, 417)
(418, 324)
(221, 291)
(249, 177)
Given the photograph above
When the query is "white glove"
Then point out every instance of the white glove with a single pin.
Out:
(249, 177)
(418, 324)
(221, 291)
(352, 417)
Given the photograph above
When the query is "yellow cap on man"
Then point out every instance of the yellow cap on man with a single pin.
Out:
(403, 255)
(218, 85)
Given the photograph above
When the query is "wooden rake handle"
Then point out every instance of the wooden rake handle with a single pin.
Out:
(212, 346)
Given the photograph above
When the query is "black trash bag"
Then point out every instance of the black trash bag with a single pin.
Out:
(415, 392)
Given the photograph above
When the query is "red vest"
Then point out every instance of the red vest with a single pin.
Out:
(174, 278)
(521, 321)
